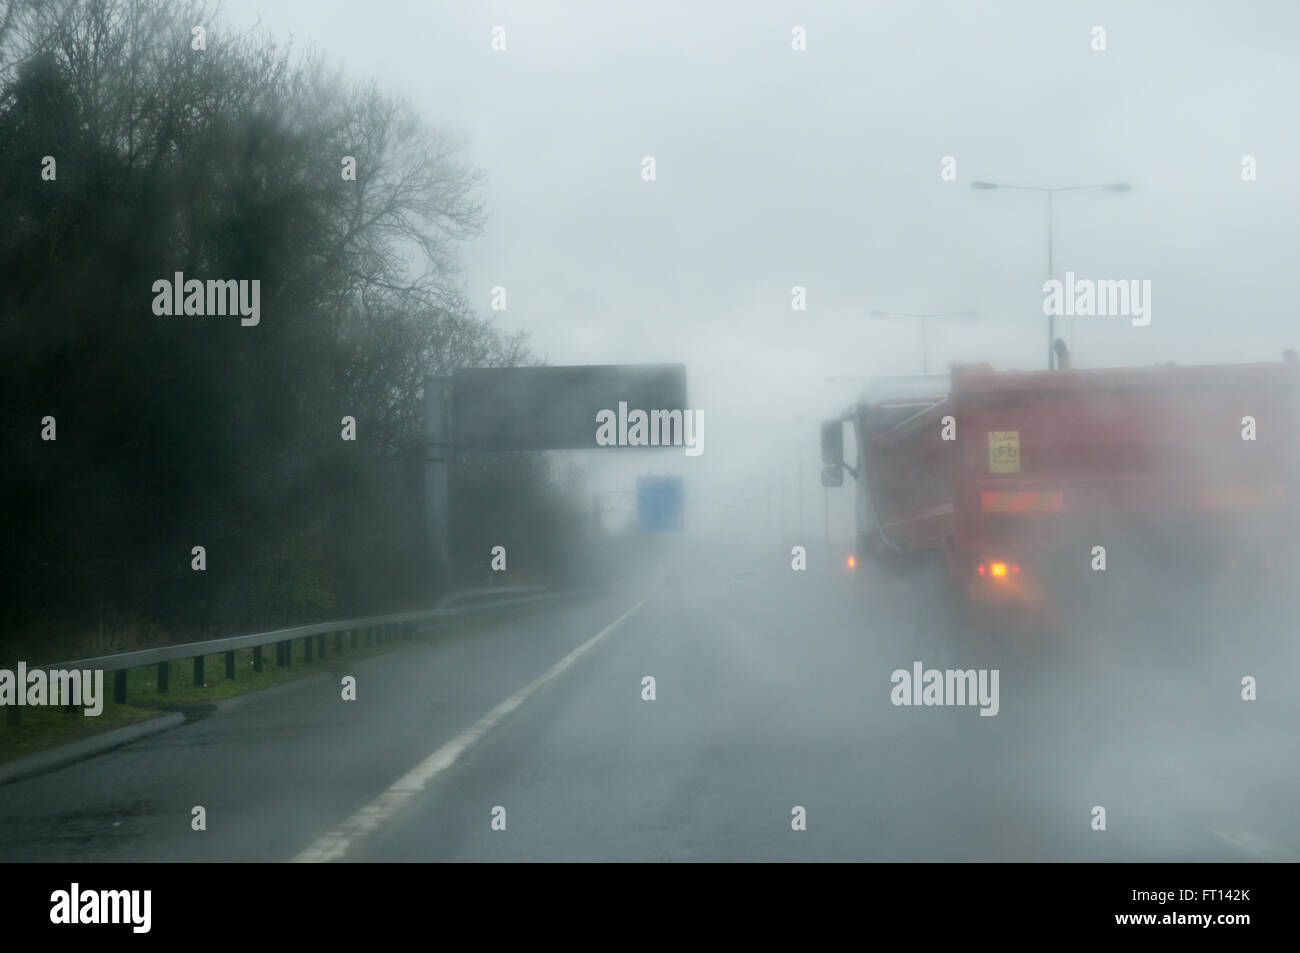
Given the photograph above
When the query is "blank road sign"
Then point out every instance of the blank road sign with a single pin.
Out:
(554, 408)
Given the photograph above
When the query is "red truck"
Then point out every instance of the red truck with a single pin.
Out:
(1014, 477)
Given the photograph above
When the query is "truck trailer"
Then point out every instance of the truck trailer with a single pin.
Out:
(1016, 478)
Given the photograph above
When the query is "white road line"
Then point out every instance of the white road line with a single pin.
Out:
(1251, 844)
(336, 843)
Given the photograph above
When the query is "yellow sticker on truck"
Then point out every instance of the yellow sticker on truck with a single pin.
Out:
(1004, 451)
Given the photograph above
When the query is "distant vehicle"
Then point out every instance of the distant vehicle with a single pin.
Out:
(1014, 477)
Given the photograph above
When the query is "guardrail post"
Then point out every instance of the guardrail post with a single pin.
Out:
(164, 675)
(321, 646)
(370, 629)
(230, 664)
(257, 658)
(198, 672)
(352, 638)
(306, 650)
(338, 642)
(119, 686)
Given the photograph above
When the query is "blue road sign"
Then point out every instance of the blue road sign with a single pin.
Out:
(659, 503)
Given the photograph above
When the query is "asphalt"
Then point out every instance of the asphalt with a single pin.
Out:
(773, 692)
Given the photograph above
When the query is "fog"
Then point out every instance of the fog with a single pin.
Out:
(842, 192)
(821, 168)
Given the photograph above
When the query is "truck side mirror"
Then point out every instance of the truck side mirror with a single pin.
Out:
(833, 443)
(832, 476)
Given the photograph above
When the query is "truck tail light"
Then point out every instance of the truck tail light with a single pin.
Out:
(998, 570)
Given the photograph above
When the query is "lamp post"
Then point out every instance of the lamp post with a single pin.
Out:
(1107, 187)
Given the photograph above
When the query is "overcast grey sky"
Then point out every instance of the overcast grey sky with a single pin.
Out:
(821, 168)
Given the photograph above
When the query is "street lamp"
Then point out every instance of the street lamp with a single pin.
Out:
(925, 357)
(1105, 187)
